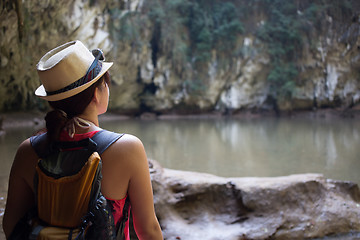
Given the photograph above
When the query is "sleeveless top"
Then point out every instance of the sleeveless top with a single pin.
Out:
(117, 205)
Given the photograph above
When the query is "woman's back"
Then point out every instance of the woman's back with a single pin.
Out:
(78, 97)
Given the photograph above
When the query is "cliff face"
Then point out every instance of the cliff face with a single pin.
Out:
(165, 61)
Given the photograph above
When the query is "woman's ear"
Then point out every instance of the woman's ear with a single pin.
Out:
(96, 97)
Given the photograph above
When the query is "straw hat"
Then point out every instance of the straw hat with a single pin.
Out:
(68, 70)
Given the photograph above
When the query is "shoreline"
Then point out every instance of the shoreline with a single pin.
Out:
(36, 118)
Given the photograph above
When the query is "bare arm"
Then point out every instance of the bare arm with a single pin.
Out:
(20, 197)
(140, 191)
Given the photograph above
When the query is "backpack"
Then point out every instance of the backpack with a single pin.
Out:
(67, 191)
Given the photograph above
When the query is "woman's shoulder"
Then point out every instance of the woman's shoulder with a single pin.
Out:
(25, 161)
(26, 147)
(128, 143)
(126, 154)
(118, 138)
(127, 146)
(129, 139)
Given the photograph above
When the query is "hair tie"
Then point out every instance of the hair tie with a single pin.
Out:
(74, 122)
(64, 114)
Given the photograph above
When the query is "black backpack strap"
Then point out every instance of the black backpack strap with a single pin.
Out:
(125, 216)
(41, 145)
(35, 232)
(104, 139)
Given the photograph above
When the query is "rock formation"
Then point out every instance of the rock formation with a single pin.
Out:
(193, 205)
(151, 72)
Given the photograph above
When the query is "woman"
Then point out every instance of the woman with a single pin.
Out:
(75, 82)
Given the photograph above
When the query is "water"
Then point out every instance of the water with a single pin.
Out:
(232, 147)
(261, 147)
(235, 147)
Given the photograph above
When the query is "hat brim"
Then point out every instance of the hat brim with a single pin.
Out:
(41, 92)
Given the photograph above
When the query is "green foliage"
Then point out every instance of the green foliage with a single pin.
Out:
(126, 27)
(282, 33)
(194, 86)
(209, 24)
(212, 25)
(281, 81)
(186, 31)
(339, 9)
(168, 32)
(311, 13)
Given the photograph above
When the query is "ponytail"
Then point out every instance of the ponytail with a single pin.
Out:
(55, 122)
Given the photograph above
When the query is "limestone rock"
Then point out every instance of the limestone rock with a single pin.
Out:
(193, 205)
(146, 78)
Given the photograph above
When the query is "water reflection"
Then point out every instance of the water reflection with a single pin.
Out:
(260, 147)
(235, 147)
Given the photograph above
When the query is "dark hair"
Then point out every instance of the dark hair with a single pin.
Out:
(67, 108)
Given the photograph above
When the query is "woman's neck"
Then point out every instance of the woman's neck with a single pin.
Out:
(91, 116)
(91, 125)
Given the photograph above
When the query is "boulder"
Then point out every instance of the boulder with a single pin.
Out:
(193, 205)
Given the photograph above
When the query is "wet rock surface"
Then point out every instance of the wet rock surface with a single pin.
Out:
(193, 205)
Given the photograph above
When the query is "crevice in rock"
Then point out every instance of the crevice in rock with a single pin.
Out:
(20, 18)
(155, 42)
(242, 209)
